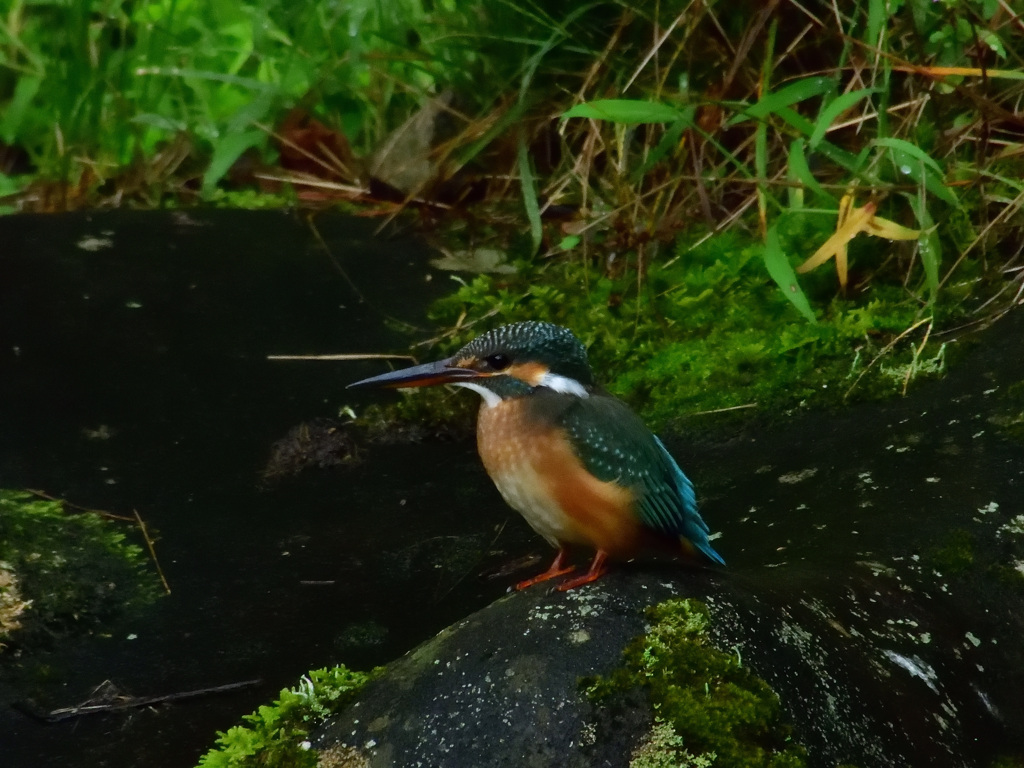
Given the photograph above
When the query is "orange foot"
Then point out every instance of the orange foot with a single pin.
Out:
(597, 570)
(558, 568)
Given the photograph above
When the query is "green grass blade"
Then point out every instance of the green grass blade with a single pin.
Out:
(1017, 185)
(800, 171)
(628, 111)
(669, 143)
(761, 169)
(740, 166)
(18, 106)
(912, 161)
(910, 149)
(833, 110)
(877, 14)
(782, 273)
(761, 153)
(846, 160)
(761, 130)
(187, 73)
(226, 150)
(929, 246)
(786, 96)
(509, 118)
(529, 183)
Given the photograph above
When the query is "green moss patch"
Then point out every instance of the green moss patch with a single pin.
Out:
(77, 571)
(274, 736)
(707, 330)
(709, 708)
(954, 555)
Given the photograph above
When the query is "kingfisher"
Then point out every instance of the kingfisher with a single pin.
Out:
(576, 462)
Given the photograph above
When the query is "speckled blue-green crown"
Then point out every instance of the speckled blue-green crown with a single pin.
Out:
(547, 343)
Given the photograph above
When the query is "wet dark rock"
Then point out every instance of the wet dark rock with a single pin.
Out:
(869, 672)
(876, 585)
(319, 443)
(886, 539)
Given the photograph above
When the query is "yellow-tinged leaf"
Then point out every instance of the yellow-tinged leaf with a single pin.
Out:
(841, 267)
(842, 253)
(855, 223)
(890, 230)
(1008, 74)
(845, 206)
(850, 222)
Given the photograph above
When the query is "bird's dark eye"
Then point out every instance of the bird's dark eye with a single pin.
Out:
(498, 362)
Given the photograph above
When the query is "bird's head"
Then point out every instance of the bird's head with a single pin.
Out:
(510, 361)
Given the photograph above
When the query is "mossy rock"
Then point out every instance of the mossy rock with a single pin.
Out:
(709, 705)
(78, 571)
(628, 672)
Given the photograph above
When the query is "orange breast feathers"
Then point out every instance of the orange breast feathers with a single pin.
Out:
(540, 476)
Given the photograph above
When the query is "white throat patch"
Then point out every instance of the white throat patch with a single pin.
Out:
(563, 384)
(553, 381)
(491, 399)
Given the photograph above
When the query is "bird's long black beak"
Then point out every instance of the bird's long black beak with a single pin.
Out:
(428, 374)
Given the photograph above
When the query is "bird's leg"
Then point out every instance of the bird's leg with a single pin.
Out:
(558, 568)
(597, 569)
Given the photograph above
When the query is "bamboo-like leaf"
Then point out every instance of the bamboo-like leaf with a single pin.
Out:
(840, 157)
(203, 74)
(910, 149)
(929, 246)
(877, 15)
(842, 252)
(761, 170)
(850, 222)
(890, 230)
(914, 162)
(786, 96)
(529, 185)
(781, 271)
(669, 143)
(832, 110)
(629, 111)
(18, 105)
(852, 226)
(226, 150)
(799, 170)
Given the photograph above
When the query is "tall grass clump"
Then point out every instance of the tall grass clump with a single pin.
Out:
(864, 144)
(179, 89)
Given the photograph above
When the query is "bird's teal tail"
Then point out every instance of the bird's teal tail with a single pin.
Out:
(692, 526)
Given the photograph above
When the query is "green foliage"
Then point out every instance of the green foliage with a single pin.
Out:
(950, 28)
(867, 167)
(274, 735)
(663, 748)
(628, 111)
(112, 79)
(714, 705)
(823, 133)
(704, 330)
(78, 570)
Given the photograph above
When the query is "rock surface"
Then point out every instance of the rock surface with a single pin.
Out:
(502, 687)
(876, 583)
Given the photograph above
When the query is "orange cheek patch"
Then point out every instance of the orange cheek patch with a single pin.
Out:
(531, 373)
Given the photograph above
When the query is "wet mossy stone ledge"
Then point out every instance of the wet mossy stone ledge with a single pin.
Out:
(875, 594)
(658, 666)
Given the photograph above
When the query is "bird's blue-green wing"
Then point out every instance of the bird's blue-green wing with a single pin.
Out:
(616, 446)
